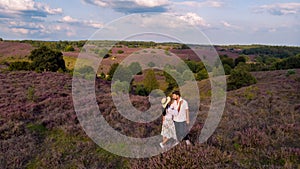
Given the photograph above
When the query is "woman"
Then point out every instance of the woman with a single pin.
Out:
(168, 127)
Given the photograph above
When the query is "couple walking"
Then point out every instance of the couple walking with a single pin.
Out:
(176, 119)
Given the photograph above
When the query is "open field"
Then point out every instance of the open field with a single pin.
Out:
(260, 127)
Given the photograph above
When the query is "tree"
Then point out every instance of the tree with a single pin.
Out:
(239, 59)
(226, 60)
(150, 81)
(45, 59)
(240, 78)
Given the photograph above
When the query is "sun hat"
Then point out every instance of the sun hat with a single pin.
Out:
(165, 101)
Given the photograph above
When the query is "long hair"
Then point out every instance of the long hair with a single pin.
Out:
(164, 111)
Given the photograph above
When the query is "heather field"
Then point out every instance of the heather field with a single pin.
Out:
(260, 126)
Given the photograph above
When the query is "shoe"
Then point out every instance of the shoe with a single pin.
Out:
(161, 145)
(188, 142)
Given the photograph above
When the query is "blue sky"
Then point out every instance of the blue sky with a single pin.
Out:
(274, 22)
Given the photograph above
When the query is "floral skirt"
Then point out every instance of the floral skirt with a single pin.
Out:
(168, 129)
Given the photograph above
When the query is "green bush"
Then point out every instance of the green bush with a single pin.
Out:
(240, 78)
(202, 75)
(120, 51)
(19, 66)
(290, 72)
(227, 69)
(45, 59)
(141, 90)
(239, 60)
(69, 48)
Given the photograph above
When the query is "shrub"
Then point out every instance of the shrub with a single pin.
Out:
(239, 60)
(112, 70)
(290, 72)
(227, 69)
(240, 78)
(19, 66)
(69, 48)
(120, 51)
(141, 90)
(45, 59)
(202, 75)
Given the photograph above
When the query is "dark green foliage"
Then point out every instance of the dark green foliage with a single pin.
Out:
(102, 75)
(288, 63)
(240, 78)
(19, 66)
(227, 69)
(226, 60)
(120, 51)
(195, 67)
(290, 72)
(69, 48)
(171, 81)
(45, 59)
(141, 90)
(137, 44)
(202, 75)
(112, 70)
(273, 51)
(239, 60)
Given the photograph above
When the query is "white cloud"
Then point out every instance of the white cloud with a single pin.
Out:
(152, 3)
(20, 30)
(196, 4)
(194, 19)
(230, 26)
(133, 6)
(27, 8)
(280, 8)
(69, 19)
(90, 23)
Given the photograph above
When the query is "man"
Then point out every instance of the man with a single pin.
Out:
(182, 120)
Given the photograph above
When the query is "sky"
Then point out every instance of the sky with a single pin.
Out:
(271, 22)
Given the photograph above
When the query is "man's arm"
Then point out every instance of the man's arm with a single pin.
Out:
(187, 116)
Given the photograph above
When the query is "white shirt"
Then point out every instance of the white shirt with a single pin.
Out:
(181, 117)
